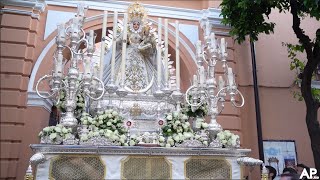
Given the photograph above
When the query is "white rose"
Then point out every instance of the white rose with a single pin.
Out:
(197, 136)
(121, 140)
(175, 114)
(115, 113)
(109, 115)
(109, 123)
(96, 133)
(46, 129)
(205, 143)
(184, 117)
(169, 130)
(84, 137)
(177, 122)
(198, 124)
(169, 117)
(161, 139)
(53, 136)
(85, 122)
(100, 117)
(64, 130)
(57, 129)
(162, 144)
(204, 125)
(187, 124)
(168, 145)
(224, 142)
(176, 138)
(126, 144)
(132, 143)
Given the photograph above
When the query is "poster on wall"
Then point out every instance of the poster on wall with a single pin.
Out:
(280, 154)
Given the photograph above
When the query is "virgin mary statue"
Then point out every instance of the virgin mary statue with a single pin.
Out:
(140, 64)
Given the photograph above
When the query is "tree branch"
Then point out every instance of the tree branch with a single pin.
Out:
(304, 39)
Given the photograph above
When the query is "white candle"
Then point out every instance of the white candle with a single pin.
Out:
(103, 35)
(113, 59)
(230, 76)
(177, 57)
(91, 39)
(195, 80)
(208, 28)
(61, 31)
(166, 50)
(213, 40)
(199, 48)
(59, 63)
(159, 52)
(202, 76)
(223, 46)
(124, 48)
(221, 82)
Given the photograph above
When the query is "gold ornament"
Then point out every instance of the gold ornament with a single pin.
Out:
(136, 12)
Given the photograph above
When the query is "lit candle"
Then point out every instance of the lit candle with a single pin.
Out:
(113, 59)
(166, 50)
(177, 57)
(221, 82)
(213, 40)
(124, 48)
(223, 46)
(103, 35)
(230, 76)
(159, 52)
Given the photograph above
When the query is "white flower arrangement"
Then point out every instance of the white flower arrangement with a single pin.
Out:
(104, 129)
(54, 134)
(178, 129)
(177, 122)
(110, 136)
(80, 106)
(228, 139)
(200, 123)
(109, 119)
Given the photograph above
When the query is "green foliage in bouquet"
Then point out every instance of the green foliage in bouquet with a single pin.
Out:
(177, 122)
(80, 107)
(200, 111)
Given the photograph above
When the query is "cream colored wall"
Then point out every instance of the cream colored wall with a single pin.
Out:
(283, 117)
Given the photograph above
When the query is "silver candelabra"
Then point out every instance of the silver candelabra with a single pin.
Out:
(205, 88)
(71, 79)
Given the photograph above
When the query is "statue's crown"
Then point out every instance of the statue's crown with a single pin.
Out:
(136, 12)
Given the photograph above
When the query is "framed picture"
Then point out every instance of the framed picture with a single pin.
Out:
(280, 154)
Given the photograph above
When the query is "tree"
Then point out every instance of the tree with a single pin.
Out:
(248, 18)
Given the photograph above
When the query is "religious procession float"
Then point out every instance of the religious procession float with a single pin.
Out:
(123, 115)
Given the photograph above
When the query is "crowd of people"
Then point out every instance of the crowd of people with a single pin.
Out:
(288, 173)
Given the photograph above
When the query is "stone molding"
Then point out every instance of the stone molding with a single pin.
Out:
(36, 5)
(35, 100)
